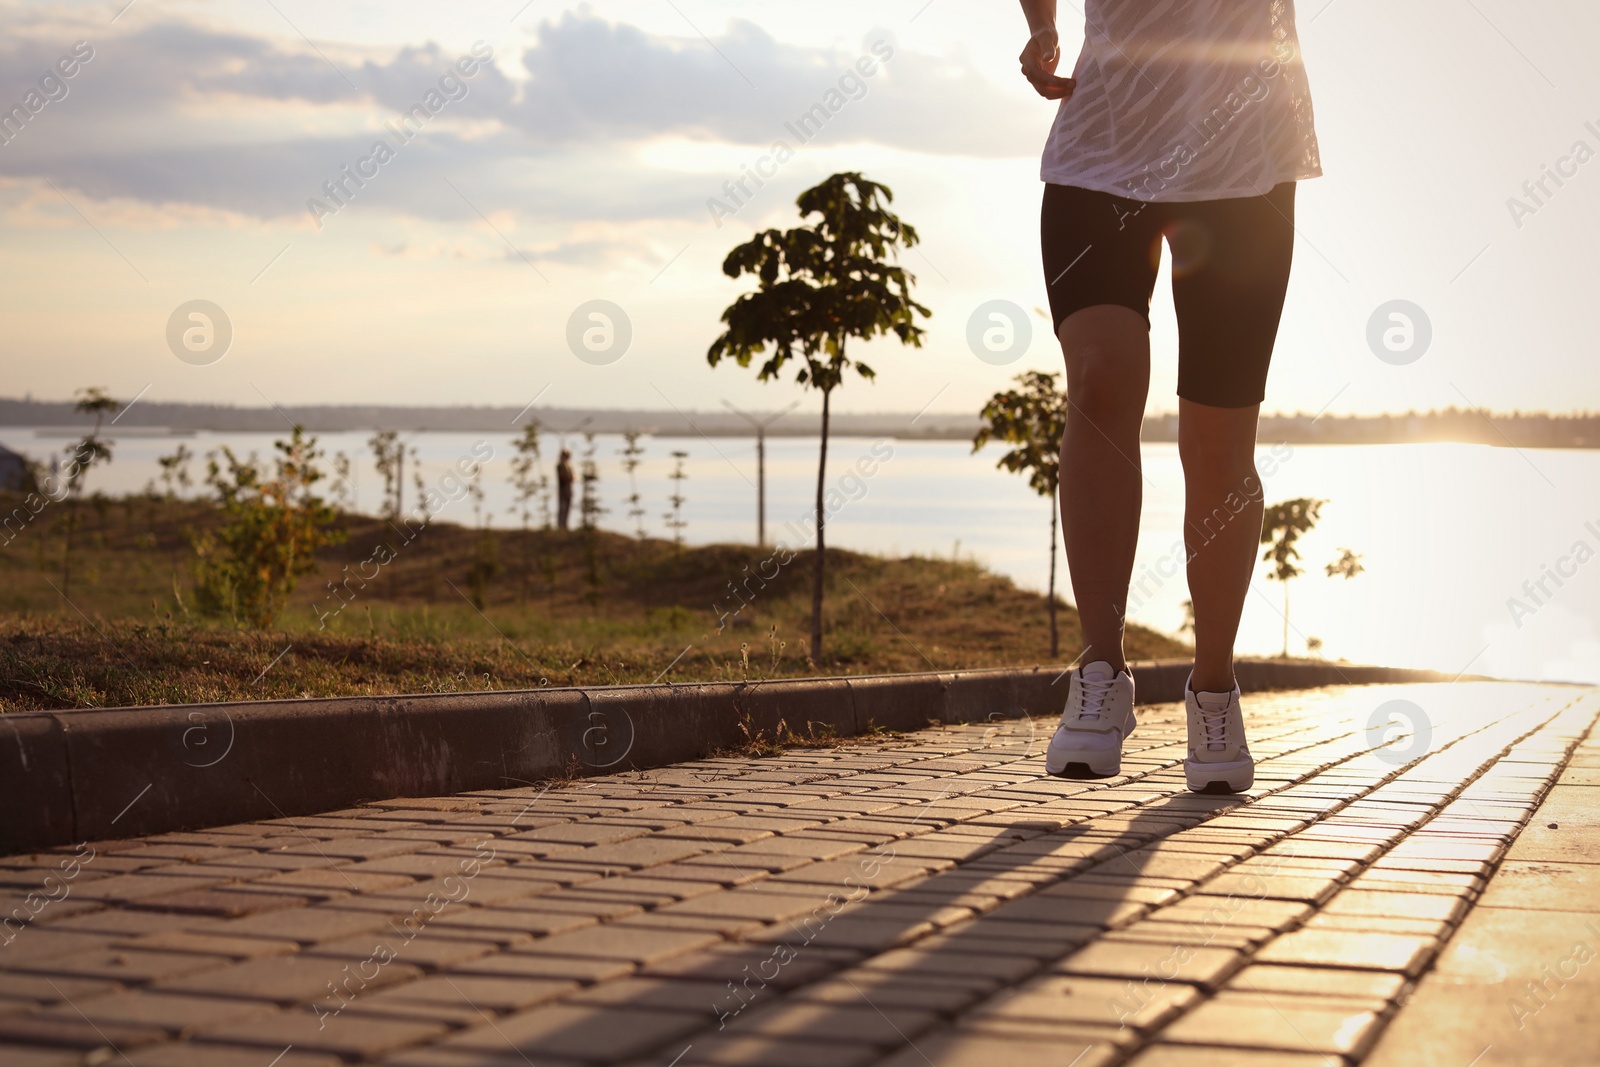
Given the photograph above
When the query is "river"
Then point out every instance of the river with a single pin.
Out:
(1477, 559)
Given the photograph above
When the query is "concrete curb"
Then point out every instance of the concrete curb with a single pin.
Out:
(96, 774)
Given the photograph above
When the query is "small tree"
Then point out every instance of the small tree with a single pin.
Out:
(271, 530)
(817, 287)
(175, 471)
(86, 455)
(1281, 527)
(630, 463)
(674, 519)
(344, 496)
(1346, 566)
(388, 456)
(473, 485)
(1032, 420)
(589, 508)
(530, 481)
(419, 482)
(528, 477)
(589, 512)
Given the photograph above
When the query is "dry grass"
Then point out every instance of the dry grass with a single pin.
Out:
(554, 610)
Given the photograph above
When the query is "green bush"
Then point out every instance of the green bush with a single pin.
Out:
(271, 531)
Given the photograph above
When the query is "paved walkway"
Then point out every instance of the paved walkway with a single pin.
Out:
(921, 900)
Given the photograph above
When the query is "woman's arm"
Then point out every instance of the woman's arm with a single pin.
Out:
(1043, 51)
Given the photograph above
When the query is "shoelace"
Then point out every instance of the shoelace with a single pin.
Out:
(1214, 721)
(1095, 691)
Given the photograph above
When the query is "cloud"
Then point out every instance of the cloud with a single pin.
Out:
(177, 113)
(590, 78)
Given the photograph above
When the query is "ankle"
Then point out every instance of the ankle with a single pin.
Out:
(1213, 680)
(1118, 664)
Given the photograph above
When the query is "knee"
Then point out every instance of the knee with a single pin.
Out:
(1102, 392)
(1219, 459)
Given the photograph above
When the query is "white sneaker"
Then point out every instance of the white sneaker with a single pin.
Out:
(1099, 714)
(1219, 760)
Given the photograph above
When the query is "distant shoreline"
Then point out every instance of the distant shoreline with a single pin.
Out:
(153, 418)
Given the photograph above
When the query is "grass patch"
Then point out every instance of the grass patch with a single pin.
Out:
(456, 609)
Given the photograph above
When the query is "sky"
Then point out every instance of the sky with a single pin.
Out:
(185, 159)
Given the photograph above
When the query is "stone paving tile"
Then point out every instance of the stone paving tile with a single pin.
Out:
(1273, 979)
(283, 979)
(206, 1055)
(345, 1035)
(1290, 1024)
(1072, 999)
(865, 1022)
(74, 1031)
(835, 906)
(172, 1013)
(1434, 930)
(1542, 885)
(557, 968)
(1165, 1055)
(594, 1033)
(721, 1050)
(1153, 963)
(1398, 905)
(36, 1056)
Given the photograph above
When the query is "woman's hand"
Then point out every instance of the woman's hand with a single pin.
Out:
(1039, 61)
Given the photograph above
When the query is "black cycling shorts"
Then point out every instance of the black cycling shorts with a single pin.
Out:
(1230, 269)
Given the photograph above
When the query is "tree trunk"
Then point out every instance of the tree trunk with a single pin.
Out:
(1286, 618)
(1055, 636)
(66, 553)
(817, 569)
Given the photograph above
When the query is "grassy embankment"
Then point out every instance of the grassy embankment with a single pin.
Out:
(552, 609)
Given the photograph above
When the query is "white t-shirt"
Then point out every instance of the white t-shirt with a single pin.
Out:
(1185, 100)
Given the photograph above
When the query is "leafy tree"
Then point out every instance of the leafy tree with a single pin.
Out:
(175, 471)
(589, 506)
(417, 480)
(473, 485)
(86, 455)
(674, 519)
(1032, 420)
(530, 481)
(630, 464)
(528, 477)
(389, 457)
(272, 528)
(343, 485)
(589, 512)
(1281, 527)
(1346, 566)
(818, 286)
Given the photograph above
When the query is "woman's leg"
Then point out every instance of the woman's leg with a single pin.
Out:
(1107, 352)
(1231, 261)
(1222, 529)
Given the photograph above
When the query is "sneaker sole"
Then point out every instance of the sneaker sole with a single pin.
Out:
(1080, 771)
(1233, 777)
(1079, 764)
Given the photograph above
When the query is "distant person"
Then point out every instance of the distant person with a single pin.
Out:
(564, 488)
(1188, 120)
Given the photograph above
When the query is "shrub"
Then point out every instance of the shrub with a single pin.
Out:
(271, 530)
